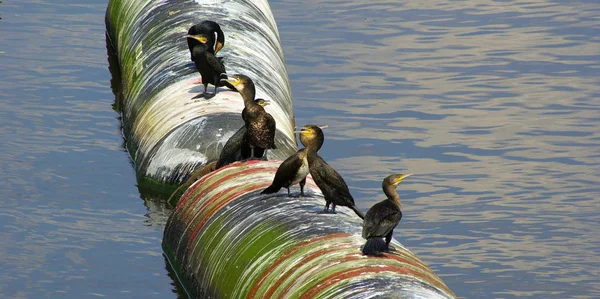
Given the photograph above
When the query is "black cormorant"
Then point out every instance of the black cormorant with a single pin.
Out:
(383, 217)
(331, 183)
(208, 28)
(295, 168)
(207, 64)
(260, 125)
(233, 150)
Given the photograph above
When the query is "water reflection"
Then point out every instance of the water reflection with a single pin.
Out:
(154, 200)
(494, 106)
(71, 218)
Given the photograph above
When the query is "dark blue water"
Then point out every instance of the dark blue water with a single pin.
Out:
(494, 105)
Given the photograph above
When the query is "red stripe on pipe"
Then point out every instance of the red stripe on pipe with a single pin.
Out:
(347, 258)
(335, 278)
(287, 254)
(208, 178)
(207, 213)
(207, 185)
(302, 261)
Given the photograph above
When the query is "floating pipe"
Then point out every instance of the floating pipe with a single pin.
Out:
(229, 241)
(169, 134)
(224, 240)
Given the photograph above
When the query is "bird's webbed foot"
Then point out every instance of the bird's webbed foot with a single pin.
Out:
(204, 95)
(301, 194)
(209, 96)
(333, 209)
(326, 211)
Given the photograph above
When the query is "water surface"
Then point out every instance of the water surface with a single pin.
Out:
(494, 105)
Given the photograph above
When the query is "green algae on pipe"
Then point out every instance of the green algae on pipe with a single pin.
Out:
(168, 133)
(226, 240)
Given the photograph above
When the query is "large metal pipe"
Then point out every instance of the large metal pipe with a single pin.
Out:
(169, 134)
(224, 240)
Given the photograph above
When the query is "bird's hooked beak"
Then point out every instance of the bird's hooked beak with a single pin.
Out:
(218, 47)
(305, 131)
(321, 127)
(263, 102)
(200, 37)
(401, 178)
(233, 80)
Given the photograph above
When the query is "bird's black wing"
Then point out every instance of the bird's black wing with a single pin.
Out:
(232, 148)
(272, 128)
(320, 172)
(334, 181)
(287, 170)
(285, 173)
(380, 220)
(215, 64)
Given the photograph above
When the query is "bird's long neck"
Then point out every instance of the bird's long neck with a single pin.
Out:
(311, 153)
(392, 194)
(312, 147)
(312, 143)
(248, 94)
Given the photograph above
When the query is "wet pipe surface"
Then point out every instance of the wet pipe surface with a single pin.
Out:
(229, 241)
(225, 240)
(169, 134)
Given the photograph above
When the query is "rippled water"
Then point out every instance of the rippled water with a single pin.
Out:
(494, 105)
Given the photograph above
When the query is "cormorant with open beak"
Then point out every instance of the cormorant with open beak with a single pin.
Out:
(295, 168)
(383, 217)
(260, 125)
(208, 28)
(207, 64)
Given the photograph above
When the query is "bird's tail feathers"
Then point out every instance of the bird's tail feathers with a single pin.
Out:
(271, 189)
(374, 246)
(358, 212)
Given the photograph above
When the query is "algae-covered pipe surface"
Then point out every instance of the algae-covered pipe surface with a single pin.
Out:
(169, 133)
(224, 239)
(229, 241)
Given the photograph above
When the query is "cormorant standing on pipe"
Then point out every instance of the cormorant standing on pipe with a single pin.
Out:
(208, 28)
(236, 144)
(260, 125)
(383, 217)
(207, 64)
(295, 168)
(246, 149)
(330, 182)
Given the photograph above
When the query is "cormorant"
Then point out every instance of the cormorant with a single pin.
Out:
(208, 28)
(260, 125)
(383, 217)
(331, 183)
(207, 64)
(233, 149)
(295, 168)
